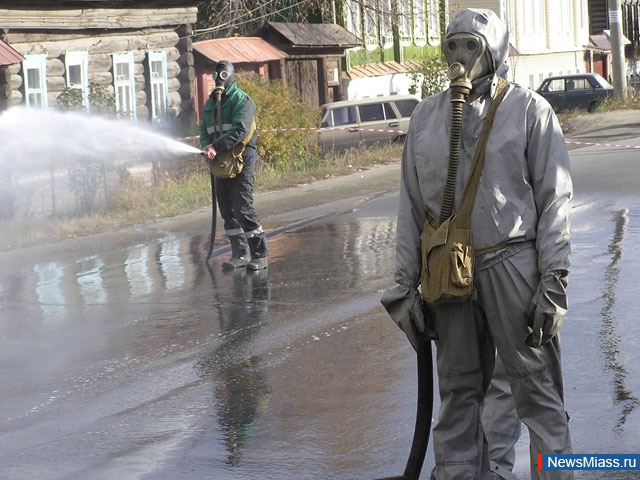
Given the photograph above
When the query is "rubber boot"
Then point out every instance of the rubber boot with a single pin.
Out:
(258, 248)
(238, 253)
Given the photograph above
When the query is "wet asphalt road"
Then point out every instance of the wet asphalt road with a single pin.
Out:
(138, 362)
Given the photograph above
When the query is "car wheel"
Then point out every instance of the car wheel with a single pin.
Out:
(592, 107)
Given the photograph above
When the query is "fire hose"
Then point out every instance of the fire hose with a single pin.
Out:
(214, 202)
(424, 411)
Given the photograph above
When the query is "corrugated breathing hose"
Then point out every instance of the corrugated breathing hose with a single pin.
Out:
(458, 97)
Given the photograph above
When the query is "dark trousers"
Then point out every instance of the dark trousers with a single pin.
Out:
(235, 202)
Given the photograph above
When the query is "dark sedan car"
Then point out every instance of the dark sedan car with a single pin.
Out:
(580, 90)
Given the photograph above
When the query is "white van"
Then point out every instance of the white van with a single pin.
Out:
(351, 123)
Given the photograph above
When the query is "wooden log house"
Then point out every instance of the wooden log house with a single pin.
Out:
(141, 51)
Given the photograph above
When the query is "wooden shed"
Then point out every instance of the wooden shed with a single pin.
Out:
(314, 62)
(247, 54)
(140, 51)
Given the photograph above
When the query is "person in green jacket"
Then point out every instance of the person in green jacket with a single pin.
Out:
(235, 195)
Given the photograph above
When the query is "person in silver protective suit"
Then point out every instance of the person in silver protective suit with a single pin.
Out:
(520, 224)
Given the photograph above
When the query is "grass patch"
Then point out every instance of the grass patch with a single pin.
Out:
(607, 105)
(137, 203)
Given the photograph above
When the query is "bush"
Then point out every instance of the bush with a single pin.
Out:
(429, 78)
(101, 100)
(71, 99)
(285, 122)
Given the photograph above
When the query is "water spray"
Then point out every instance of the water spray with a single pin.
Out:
(32, 138)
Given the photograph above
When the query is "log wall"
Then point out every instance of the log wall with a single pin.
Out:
(169, 34)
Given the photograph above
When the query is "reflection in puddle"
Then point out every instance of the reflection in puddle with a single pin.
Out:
(49, 292)
(173, 270)
(90, 281)
(136, 267)
(241, 387)
(610, 340)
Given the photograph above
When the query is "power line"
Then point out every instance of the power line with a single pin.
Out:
(237, 24)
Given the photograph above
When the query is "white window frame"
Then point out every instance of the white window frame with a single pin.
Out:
(385, 19)
(531, 26)
(370, 21)
(78, 59)
(511, 20)
(124, 86)
(39, 63)
(353, 17)
(534, 17)
(581, 14)
(419, 23)
(561, 25)
(404, 27)
(159, 86)
(433, 22)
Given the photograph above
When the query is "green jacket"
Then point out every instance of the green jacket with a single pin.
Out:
(238, 112)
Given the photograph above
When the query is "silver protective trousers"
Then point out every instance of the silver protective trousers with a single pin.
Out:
(469, 334)
(501, 424)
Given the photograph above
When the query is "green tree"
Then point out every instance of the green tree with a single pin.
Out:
(226, 18)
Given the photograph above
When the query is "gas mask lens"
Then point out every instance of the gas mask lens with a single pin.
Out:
(221, 76)
(471, 45)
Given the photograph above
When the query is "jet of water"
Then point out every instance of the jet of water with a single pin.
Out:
(33, 139)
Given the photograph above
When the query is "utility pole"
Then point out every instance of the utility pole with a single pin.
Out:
(617, 50)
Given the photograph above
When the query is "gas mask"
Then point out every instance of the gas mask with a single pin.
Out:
(223, 76)
(467, 57)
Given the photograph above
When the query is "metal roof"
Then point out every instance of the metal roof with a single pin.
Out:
(8, 55)
(602, 42)
(313, 34)
(239, 50)
(382, 68)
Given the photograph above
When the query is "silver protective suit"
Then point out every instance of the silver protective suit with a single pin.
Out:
(523, 202)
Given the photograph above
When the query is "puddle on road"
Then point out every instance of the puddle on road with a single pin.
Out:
(294, 372)
(601, 333)
(256, 343)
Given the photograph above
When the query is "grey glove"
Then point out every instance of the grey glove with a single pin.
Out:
(547, 310)
(405, 307)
